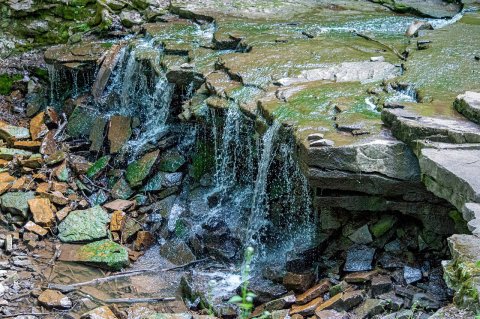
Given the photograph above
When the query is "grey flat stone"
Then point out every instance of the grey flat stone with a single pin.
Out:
(469, 105)
(452, 174)
(359, 258)
(408, 126)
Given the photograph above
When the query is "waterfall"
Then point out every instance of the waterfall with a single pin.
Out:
(139, 88)
(257, 218)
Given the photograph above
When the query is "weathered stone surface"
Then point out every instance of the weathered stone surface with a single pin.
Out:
(54, 299)
(34, 228)
(359, 258)
(111, 59)
(408, 126)
(99, 313)
(469, 105)
(316, 291)
(381, 155)
(361, 235)
(347, 72)
(42, 212)
(103, 254)
(331, 314)
(462, 273)
(16, 203)
(119, 132)
(416, 26)
(119, 204)
(84, 225)
(307, 309)
(298, 281)
(452, 174)
(81, 121)
(370, 308)
(9, 153)
(140, 169)
(37, 126)
(177, 252)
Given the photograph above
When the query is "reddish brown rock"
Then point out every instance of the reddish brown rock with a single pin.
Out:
(119, 204)
(119, 132)
(316, 291)
(298, 282)
(99, 313)
(117, 221)
(38, 129)
(4, 187)
(42, 212)
(34, 228)
(307, 309)
(6, 178)
(32, 146)
(360, 277)
(332, 303)
(144, 240)
(62, 213)
(54, 299)
(49, 145)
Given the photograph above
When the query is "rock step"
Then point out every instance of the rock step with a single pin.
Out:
(452, 174)
(408, 126)
(469, 105)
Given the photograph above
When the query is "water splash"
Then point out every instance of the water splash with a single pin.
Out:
(139, 88)
(257, 219)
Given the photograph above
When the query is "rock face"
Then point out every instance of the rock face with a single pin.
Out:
(84, 225)
(462, 273)
(469, 105)
(103, 254)
(452, 173)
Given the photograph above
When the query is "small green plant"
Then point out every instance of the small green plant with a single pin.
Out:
(245, 300)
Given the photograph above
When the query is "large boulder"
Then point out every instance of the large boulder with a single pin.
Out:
(103, 254)
(84, 225)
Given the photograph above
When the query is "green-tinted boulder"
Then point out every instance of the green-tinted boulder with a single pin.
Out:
(139, 170)
(98, 166)
(383, 226)
(16, 203)
(103, 254)
(171, 162)
(84, 225)
(81, 121)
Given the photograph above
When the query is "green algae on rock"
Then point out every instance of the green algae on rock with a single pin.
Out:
(104, 254)
(84, 225)
(140, 169)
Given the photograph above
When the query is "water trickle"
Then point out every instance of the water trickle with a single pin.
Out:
(138, 89)
(257, 218)
(54, 80)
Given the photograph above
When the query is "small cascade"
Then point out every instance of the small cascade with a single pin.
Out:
(137, 88)
(257, 218)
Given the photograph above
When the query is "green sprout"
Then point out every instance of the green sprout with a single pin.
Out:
(245, 300)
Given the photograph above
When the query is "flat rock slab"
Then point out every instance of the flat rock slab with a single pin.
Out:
(453, 174)
(429, 8)
(103, 254)
(408, 126)
(347, 72)
(84, 225)
(469, 105)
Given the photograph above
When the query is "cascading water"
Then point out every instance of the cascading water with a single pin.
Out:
(138, 89)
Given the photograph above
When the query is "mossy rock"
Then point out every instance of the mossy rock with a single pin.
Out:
(383, 226)
(6, 83)
(81, 121)
(84, 225)
(140, 169)
(98, 166)
(104, 254)
(171, 162)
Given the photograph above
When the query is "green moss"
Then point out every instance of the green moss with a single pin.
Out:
(98, 166)
(139, 170)
(203, 160)
(6, 83)
(105, 254)
(383, 226)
